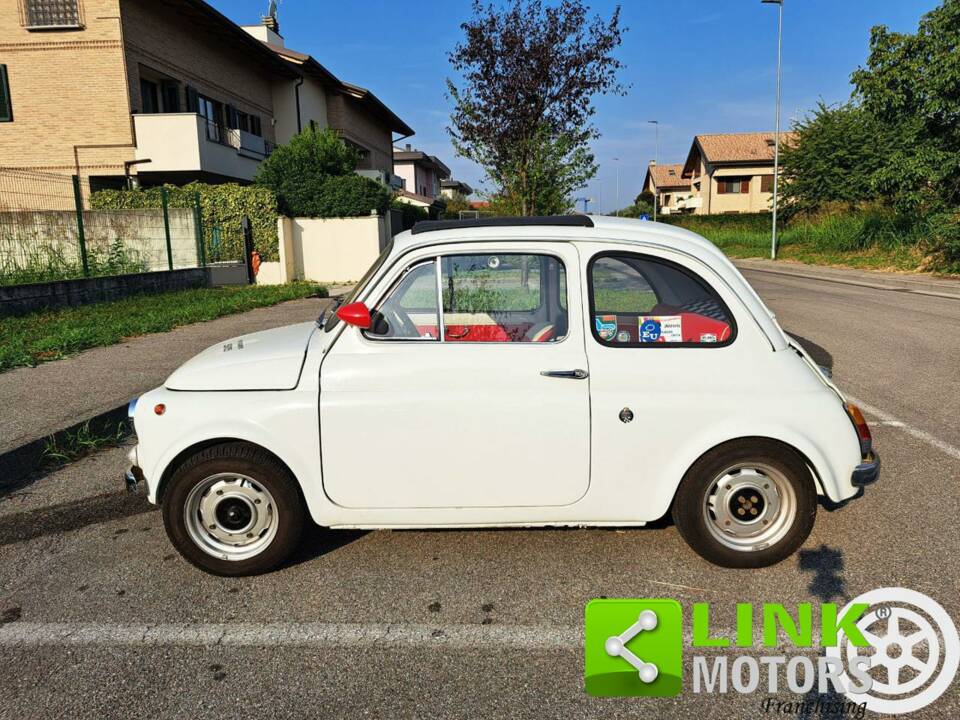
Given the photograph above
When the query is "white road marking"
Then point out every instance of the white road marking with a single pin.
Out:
(887, 419)
(293, 634)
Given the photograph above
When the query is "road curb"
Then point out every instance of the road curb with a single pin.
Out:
(19, 463)
(949, 289)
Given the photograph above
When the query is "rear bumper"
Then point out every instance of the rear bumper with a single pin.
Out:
(868, 471)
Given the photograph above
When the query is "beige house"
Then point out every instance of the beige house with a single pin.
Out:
(731, 173)
(167, 91)
(671, 189)
(319, 99)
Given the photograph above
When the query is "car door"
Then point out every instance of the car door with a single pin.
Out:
(469, 390)
(668, 364)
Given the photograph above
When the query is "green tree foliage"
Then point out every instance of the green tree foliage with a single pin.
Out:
(833, 159)
(454, 206)
(911, 83)
(523, 109)
(313, 176)
(222, 207)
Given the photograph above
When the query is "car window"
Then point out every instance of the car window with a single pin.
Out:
(409, 310)
(504, 297)
(643, 301)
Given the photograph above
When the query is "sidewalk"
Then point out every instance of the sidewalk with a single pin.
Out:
(51, 397)
(903, 282)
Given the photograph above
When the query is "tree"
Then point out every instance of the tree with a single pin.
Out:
(313, 176)
(911, 83)
(454, 205)
(523, 111)
(833, 158)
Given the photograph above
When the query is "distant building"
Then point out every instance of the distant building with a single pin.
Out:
(731, 173)
(422, 173)
(449, 188)
(669, 187)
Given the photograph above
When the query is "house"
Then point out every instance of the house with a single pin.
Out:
(671, 189)
(449, 188)
(156, 92)
(421, 174)
(107, 89)
(731, 173)
(317, 98)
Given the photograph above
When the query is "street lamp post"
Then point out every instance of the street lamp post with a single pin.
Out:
(776, 135)
(617, 161)
(656, 160)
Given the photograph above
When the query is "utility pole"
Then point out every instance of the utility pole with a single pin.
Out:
(776, 135)
(656, 161)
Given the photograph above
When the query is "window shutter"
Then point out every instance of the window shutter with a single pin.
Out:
(6, 109)
(193, 100)
(745, 185)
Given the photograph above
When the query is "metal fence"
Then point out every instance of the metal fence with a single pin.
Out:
(48, 231)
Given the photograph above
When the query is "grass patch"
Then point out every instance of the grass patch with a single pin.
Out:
(55, 334)
(71, 445)
(873, 239)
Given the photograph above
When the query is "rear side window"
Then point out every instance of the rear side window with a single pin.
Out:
(638, 301)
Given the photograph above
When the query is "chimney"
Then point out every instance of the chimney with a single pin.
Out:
(652, 163)
(271, 23)
(408, 147)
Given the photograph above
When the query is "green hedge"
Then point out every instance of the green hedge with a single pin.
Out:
(345, 196)
(223, 208)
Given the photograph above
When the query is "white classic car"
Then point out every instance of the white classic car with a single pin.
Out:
(557, 371)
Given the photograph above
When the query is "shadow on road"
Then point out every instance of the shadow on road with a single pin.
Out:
(71, 516)
(820, 355)
(318, 541)
(826, 564)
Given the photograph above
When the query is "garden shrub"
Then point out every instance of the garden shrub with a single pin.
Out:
(223, 208)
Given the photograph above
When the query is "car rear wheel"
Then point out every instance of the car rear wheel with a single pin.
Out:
(746, 504)
(233, 509)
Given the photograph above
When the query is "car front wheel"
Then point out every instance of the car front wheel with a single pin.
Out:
(746, 504)
(233, 509)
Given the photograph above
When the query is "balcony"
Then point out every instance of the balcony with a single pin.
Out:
(189, 143)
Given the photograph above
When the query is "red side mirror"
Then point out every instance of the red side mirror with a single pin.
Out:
(355, 314)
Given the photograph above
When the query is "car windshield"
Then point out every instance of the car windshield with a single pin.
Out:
(331, 320)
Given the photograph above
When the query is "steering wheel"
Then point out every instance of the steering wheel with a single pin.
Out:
(400, 323)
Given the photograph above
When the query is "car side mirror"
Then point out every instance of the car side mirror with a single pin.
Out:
(355, 314)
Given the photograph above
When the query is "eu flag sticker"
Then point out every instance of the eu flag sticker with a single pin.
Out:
(633, 648)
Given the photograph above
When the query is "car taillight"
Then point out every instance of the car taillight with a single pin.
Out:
(863, 430)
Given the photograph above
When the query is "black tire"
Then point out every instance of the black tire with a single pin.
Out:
(694, 523)
(267, 472)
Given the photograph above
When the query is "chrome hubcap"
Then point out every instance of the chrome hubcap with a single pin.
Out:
(230, 516)
(749, 506)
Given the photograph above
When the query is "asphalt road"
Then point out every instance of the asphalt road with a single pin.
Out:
(100, 618)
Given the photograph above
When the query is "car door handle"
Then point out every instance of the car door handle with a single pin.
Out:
(569, 374)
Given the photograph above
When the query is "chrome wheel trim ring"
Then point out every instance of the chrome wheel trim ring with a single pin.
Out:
(230, 516)
(749, 506)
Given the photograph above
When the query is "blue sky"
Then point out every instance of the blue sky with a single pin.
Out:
(697, 66)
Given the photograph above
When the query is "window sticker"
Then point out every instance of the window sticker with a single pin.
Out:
(708, 338)
(623, 336)
(606, 326)
(660, 329)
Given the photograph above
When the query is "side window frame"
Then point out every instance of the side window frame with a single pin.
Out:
(438, 259)
(673, 265)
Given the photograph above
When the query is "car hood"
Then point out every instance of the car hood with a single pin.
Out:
(267, 360)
